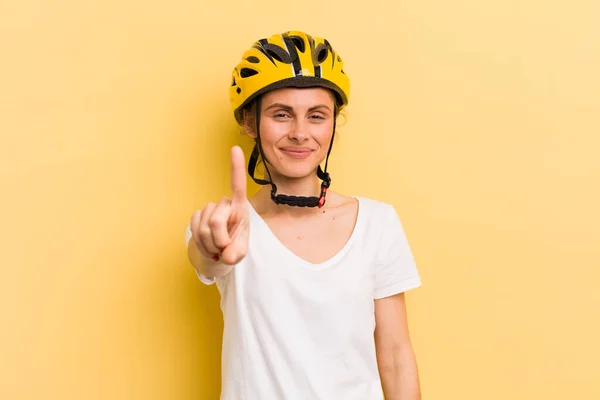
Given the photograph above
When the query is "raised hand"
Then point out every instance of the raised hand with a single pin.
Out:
(220, 231)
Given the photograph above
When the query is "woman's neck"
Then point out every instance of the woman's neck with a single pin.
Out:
(309, 186)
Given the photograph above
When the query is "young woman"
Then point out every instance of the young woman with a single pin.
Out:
(312, 291)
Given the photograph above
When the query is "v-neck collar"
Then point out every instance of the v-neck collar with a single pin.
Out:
(269, 235)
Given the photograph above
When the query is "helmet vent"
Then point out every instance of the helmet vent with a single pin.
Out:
(238, 90)
(298, 42)
(321, 53)
(253, 60)
(277, 53)
(247, 72)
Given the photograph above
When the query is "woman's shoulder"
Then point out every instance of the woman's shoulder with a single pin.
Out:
(379, 216)
(369, 206)
(376, 206)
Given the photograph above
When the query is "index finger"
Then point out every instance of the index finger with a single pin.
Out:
(238, 175)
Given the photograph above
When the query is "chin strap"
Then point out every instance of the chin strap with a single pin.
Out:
(295, 201)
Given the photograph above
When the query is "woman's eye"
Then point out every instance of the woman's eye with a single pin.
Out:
(317, 116)
(281, 115)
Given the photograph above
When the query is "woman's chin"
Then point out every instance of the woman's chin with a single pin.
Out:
(297, 174)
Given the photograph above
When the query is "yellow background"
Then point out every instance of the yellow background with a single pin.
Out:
(478, 120)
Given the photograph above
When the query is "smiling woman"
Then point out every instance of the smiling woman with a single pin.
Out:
(312, 290)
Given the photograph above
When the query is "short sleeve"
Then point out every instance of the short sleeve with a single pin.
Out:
(395, 269)
(203, 279)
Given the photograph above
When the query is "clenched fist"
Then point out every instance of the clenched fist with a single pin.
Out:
(220, 231)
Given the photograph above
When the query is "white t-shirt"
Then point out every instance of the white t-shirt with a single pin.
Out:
(294, 330)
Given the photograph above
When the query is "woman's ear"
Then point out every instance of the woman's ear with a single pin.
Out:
(249, 124)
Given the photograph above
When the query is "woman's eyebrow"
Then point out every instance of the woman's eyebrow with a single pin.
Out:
(313, 108)
(279, 105)
(289, 108)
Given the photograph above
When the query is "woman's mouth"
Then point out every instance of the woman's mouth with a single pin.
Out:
(296, 152)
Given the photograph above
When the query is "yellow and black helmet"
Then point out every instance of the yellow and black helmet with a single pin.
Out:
(290, 59)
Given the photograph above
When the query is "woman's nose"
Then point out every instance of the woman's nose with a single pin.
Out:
(298, 131)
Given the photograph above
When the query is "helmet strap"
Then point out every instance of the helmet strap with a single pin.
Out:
(294, 201)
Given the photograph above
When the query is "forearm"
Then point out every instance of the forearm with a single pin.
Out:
(204, 265)
(399, 375)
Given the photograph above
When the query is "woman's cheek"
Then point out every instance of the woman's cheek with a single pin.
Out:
(273, 133)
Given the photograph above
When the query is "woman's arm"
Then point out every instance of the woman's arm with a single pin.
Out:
(395, 356)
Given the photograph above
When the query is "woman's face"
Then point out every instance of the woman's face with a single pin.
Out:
(295, 129)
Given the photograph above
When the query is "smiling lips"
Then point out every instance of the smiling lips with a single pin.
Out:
(296, 152)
